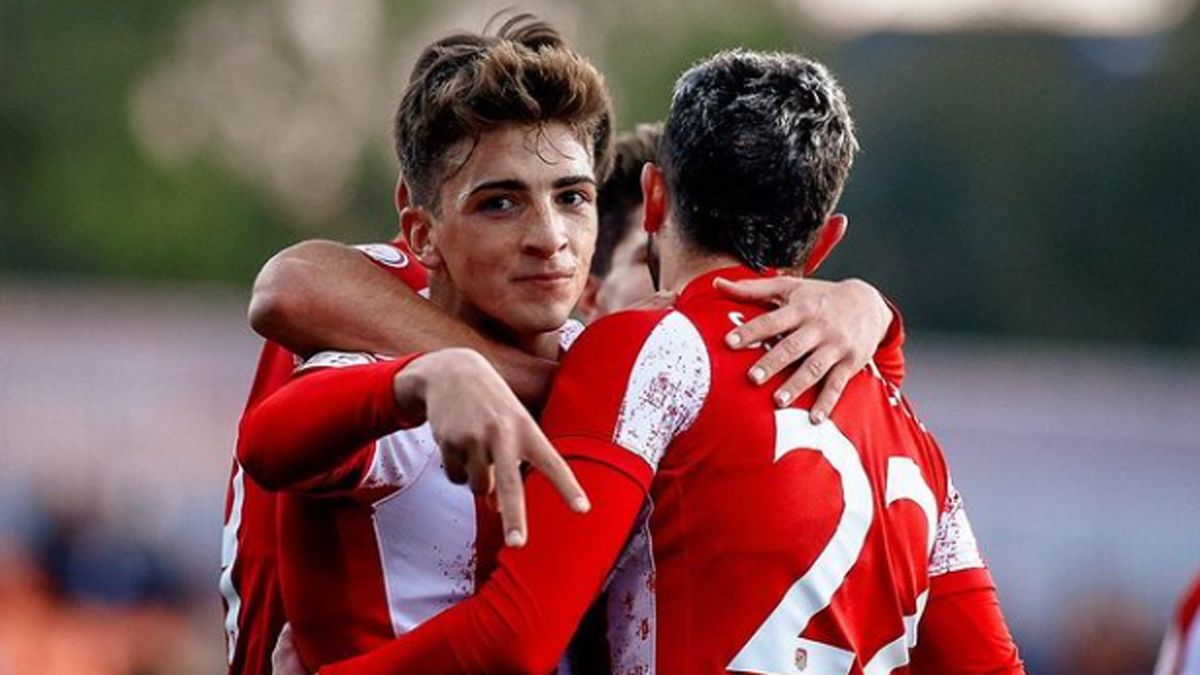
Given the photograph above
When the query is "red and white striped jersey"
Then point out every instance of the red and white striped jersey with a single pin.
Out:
(1180, 653)
(249, 581)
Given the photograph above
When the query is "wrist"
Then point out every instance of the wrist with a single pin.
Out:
(410, 386)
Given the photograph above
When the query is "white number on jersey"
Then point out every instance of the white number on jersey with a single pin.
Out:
(776, 647)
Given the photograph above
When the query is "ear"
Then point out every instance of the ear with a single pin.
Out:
(589, 303)
(417, 226)
(828, 237)
(654, 196)
(402, 198)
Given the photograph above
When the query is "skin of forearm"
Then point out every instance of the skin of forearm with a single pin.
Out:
(324, 295)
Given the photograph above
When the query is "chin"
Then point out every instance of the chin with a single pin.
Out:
(542, 320)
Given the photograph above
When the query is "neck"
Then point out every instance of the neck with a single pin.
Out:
(445, 295)
(679, 264)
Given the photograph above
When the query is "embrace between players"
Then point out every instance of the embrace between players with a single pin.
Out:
(693, 507)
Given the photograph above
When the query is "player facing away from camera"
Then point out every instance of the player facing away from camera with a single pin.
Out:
(732, 535)
(501, 140)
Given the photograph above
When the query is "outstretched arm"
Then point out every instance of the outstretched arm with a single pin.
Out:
(324, 295)
(316, 432)
(522, 620)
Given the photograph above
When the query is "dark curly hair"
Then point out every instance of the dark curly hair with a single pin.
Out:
(756, 151)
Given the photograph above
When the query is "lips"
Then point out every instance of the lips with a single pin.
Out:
(546, 277)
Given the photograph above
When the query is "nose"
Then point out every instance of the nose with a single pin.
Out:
(546, 233)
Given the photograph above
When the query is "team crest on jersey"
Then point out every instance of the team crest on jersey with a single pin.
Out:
(337, 360)
(385, 254)
(801, 659)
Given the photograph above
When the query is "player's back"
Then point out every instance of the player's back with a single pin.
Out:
(782, 546)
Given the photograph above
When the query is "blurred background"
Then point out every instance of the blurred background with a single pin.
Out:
(1027, 193)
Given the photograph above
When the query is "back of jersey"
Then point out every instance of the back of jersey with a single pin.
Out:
(780, 546)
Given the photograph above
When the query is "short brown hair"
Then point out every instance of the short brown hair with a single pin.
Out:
(622, 192)
(467, 84)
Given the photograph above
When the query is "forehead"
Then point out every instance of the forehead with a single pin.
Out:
(536, 156)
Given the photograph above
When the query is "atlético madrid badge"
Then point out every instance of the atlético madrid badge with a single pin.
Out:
(385, 254)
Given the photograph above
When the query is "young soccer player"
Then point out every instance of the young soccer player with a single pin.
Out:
(733, 535)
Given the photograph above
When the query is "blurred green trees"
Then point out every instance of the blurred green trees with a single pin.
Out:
(1019, 184)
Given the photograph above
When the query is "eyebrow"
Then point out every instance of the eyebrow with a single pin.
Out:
(516, 185)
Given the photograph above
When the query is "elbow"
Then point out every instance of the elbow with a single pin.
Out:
(280, 289)
(259, 462)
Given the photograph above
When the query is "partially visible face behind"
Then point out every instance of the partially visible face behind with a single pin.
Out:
(516, 229)
(628, 279)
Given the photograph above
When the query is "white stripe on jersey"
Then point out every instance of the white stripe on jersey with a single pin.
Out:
(667, 387)
(955, 547)
(425, 534)
(631, 606)
(229, 549)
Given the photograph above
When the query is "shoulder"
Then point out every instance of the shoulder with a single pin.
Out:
(663, 341)
(635, 378)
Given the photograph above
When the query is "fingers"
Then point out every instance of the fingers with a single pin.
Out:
(542, 455)
(771, 289)
(510, 495)
(831, 391)
(455, 460)
(479, 472)
(789, 351)
(763, 327)
(810, 371)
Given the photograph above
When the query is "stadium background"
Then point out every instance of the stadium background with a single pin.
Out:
(1027, 194)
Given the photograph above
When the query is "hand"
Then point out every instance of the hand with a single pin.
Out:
(829, 330)
(285, 660)
(484, 432)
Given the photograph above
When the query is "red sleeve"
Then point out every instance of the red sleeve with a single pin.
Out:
(523, 618)
(963, 630)
(316, 431)
(397, 259)
(889, 357)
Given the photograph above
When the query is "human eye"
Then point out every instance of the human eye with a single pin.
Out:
(498, 204)
(575, 197)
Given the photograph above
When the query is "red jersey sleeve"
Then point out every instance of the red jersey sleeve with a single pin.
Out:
(963, 630)
(523, 618)
(316, 433)
(396, 259)
(889, 356)
(630, 384)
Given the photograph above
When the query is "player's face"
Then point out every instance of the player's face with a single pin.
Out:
(518, 226)
(628, 280)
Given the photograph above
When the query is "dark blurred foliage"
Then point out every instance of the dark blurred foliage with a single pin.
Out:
(1011, 183)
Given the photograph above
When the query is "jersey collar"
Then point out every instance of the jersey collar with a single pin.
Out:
(703, 284)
